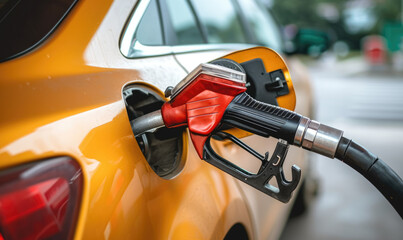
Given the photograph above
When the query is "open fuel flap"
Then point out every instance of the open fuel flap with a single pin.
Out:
(164, 149)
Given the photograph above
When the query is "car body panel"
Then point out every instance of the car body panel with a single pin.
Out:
(65, 99)
(68, 101)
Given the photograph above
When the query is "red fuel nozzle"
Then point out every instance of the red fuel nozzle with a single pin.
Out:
(200, 100)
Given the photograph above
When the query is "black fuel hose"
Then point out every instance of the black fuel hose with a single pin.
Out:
(373, 169)
(267, 120)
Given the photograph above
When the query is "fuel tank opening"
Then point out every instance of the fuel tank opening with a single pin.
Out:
(164, 148)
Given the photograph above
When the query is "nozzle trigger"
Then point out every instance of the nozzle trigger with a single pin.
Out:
(270, 168)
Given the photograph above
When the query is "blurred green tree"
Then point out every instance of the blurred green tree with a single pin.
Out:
(308, 14)
(301, 13)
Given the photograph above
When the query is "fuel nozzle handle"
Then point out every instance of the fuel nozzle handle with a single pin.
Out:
(267, 120)
(208, 100)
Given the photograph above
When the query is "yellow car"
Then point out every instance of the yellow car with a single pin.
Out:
(74, 73)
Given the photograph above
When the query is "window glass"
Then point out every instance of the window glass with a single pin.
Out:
(221, 21)
(24, 24)
(261, 23)
(149, 29)
(184, 22)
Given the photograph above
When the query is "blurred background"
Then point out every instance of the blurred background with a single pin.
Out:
(354, 52)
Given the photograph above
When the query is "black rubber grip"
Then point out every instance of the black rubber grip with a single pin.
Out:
(266, 120)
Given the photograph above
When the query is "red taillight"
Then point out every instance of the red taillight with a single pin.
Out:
(40, 200)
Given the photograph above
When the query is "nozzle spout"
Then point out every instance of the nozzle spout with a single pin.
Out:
(147, 123)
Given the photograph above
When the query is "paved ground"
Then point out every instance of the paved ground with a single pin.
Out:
(368, 106)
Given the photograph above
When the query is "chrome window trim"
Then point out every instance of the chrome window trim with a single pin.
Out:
(141, 50)
(209, 47)
(128, 33)
(127, 42)
(153, 51)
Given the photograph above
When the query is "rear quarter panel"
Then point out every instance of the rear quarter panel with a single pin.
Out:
(65, 98)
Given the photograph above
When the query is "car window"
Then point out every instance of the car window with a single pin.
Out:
(149, 30)
(220, 20)
(261, 23)
(184, 22)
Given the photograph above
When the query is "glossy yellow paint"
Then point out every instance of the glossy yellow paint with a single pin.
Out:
(64, 99)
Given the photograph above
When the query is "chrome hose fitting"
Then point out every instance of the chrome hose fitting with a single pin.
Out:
(317, 137)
